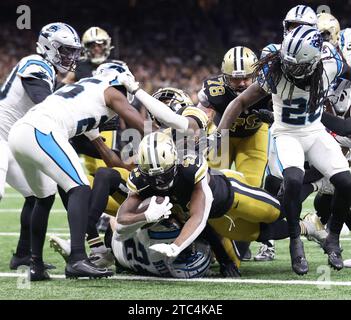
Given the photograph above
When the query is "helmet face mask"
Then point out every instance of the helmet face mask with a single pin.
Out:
(301, 52)
(161, 181)
(237, 85)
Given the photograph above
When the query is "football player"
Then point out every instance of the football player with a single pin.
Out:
(232, 207)
(39, 142)
(296, 16)
(112, 181)
(298, 77)
(30, 82)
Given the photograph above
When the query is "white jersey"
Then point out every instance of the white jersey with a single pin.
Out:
(75, 108)
(14, 101)
(290, 103)
(134, 253)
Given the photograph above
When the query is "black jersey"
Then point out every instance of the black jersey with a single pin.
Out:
(217, 95)
(85, 68)
(189, 173)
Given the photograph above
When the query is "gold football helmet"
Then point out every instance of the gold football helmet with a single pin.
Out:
(173, 97)
(97, 45)
(238, 63)
(329, 27)
(157, 160)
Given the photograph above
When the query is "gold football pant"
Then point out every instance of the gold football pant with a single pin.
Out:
(249, 155)
(251, 207)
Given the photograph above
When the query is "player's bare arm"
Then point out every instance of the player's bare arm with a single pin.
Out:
(118, 102)
(246, 99)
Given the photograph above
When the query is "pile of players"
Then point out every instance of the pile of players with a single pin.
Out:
(175, 205)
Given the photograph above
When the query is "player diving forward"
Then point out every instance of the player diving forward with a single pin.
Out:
(298, 76)
(232, 207)
(39, 142)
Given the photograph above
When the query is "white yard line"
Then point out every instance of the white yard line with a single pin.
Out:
(16, 234)
(209, 280)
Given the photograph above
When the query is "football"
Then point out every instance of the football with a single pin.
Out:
(145, 204)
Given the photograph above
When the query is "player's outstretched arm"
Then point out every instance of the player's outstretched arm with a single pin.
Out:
(338, 125)
(160, 111)
(250, 96)
(116, 100)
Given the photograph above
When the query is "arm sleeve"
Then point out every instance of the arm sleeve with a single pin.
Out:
(161, 111)
(36, 89)
(340, 126)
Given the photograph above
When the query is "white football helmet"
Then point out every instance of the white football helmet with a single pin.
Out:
(340, 96)
(193, 262)
(345, 44)
(299, 15)
(59, 44)
(301, 51)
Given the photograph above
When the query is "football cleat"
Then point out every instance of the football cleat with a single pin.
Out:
(247, 255)
(298, 260)
(265, 253)
(331, 247)
(38, 271)
(314, 227)
(85, 268)
(17, 261)
(63, 247)
(102, 257)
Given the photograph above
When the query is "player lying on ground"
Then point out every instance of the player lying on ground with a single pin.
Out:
(233, 208)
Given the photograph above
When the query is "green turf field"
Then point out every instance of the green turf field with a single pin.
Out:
(256, 282)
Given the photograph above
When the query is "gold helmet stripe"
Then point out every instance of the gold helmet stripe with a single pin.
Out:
(131, 186)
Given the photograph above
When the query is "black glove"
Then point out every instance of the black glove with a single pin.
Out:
(229, 270)
(264, 115)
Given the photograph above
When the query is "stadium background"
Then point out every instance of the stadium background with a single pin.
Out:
(164, 42)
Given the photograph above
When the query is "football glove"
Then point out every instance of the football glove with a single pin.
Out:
(157, 211)
(264, 115)
(128, 81)
(92, 134)
(168, 250)
(229, 270)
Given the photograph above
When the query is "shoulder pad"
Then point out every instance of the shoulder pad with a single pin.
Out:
(197, 114)
(37, 67)
(269, 49)
(195, 167)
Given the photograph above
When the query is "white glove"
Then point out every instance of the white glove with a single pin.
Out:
(128, 81)
(92, 134)
(169, 250)
(157, 211)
